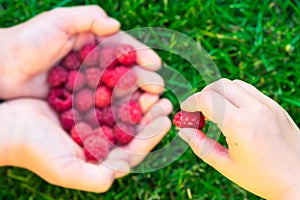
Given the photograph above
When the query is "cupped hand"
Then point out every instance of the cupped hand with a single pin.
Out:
(32, 138)
(263, 141)
(31, 48)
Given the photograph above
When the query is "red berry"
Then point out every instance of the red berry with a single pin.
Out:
(71, 61)
(106, 117)
(103, 96)
(89, 54)
(136, 96)
(60, 99)
(69, 118)
(125, 54)
(185, 119)
(92, 117)
(111, 77)
(57, 76)
(75, 81)
(96, 148)
(93, 75)
(130, 112)
(109, 134)
(124, 133)
(80, 131)
(83, 100)
(107, 57)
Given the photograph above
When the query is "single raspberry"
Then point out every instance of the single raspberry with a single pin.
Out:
(93, 75)
(107, 57)
(92, 117)
(125, 54)
(109, 134)
(130, 112)
(60, 99)
(80, 131)
(124, 133)
(111, 77)
(89, 54)
(75, 81)
(185, 119)
(57, 76)
(136, 96)
(106, 117)
(71, 61)
(69, 118)
(128, 78)
(103, 96)
(96, 148)
(83, 100)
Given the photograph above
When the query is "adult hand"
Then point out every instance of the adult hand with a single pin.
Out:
(31, 137)
(263, 141)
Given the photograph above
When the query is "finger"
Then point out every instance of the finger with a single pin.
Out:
(207, 149)
(149, 81)
(147, 139)
(141, 145)
(83, 39)
(75, 173)
(82, 19)
(147, 100)
(232, 92)
(214, 106)
(146, 57)
(162, 108)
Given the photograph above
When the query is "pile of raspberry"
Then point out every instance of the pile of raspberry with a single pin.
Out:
(81, 92)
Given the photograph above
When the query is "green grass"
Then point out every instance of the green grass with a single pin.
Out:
(256, 41)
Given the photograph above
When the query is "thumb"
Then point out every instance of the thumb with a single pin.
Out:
(82, 19)
(209, 150)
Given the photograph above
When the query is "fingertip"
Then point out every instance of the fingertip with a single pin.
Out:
(191, 104)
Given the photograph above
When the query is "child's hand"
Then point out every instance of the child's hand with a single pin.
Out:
(31, 137)
(30, 49)
(263, 141)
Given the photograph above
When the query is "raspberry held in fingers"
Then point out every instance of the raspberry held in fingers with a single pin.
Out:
(185, 119)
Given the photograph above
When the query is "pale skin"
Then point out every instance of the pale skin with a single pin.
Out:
(263, 141)
(31, 136)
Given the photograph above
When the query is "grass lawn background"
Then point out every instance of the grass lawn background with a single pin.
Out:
(255, 41)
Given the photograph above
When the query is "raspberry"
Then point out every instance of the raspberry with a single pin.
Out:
(93, 75)
(112, 76)
(103, 96)
(125, 54)
(106, 117)
(60, 99)
(71, 61)
(80, 131)
(93, 116)
(130, 113)
(96, 148)
(136, 96)
(185, 119)
(69, 118)
(109, 134)
(107, 57)
(57, 76)
(89, 54)
(75, 81)
(124, 133)
(83, 100)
